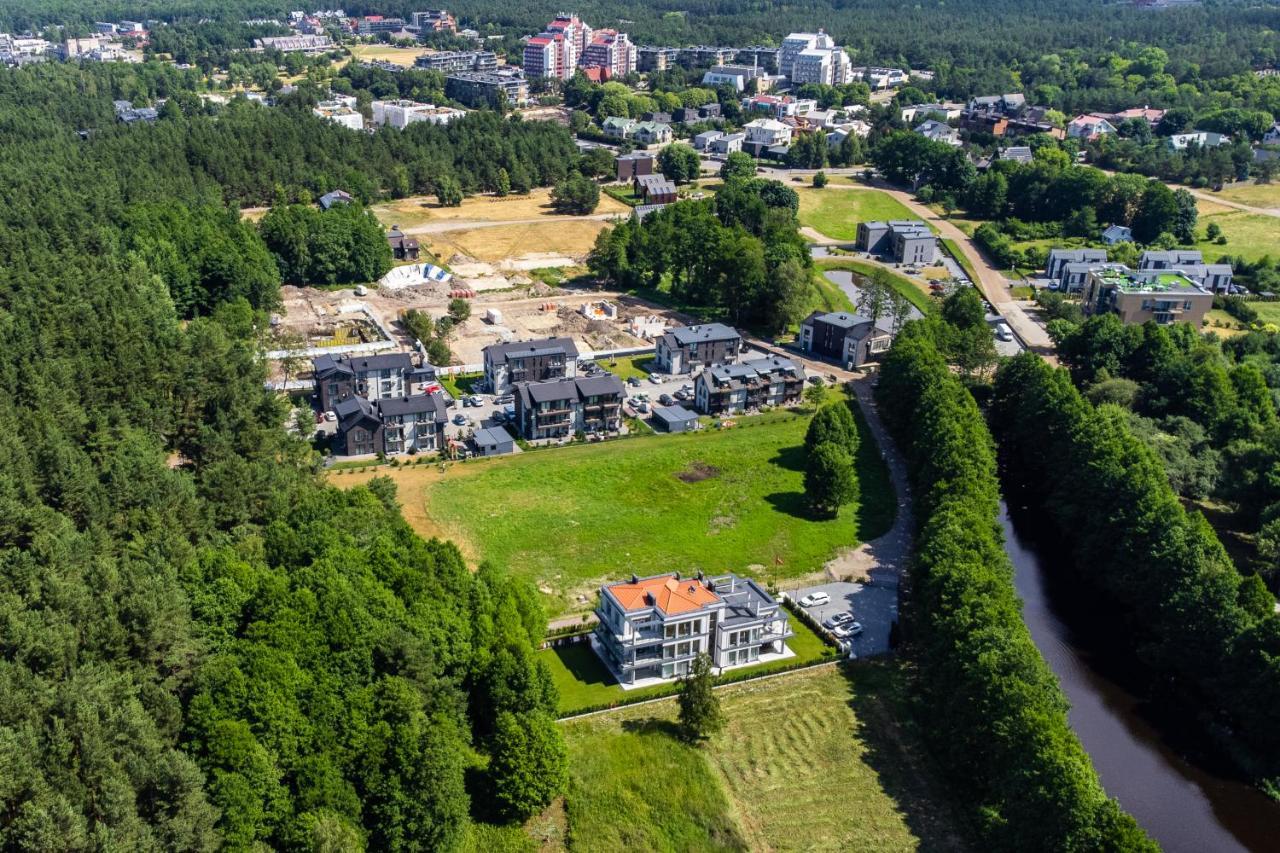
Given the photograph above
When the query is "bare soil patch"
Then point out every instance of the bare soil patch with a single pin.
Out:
(696, 472)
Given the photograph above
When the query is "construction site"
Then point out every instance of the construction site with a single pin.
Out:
(369, 319)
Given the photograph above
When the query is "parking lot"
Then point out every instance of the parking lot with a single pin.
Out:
(874, 605)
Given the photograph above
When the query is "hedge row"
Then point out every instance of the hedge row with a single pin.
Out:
(1205, 635)
(991, 708)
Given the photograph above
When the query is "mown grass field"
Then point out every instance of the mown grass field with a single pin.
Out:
(809, 761)
(718, 500)
(1254, 195)
(1249, 235)
(837, 212)
(584, 682)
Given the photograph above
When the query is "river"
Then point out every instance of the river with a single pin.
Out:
(1183, 806)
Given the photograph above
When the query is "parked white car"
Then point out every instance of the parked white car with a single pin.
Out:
(1003, 332)
(815, 599)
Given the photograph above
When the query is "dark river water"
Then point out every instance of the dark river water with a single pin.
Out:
(1183, 806)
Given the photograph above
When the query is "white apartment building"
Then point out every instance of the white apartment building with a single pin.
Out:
(401, 114)
(796, 43)
(829, 66)
(768, 132)
(338, 112)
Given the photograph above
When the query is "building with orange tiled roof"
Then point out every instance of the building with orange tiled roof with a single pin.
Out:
(652, 628)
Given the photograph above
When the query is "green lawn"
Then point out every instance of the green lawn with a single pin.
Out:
(1249, 235)
(901, 283)
(461, 383)
(584, 682)
(627, 366)
(953, 249)
(816, 760)
(837, 213)
(717, 500)
(1252, 194)
(1268, 312)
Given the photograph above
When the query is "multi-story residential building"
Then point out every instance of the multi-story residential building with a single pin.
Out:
(757, 56)
(403, 246)
(558, 408)
(701, 56)
(651, 133)
(828, 66)
(1089, 126)
(295, 44)
(944, 112)
(1059, 258)
(485, 88)
(725, 389)
(649, 58)
(767, 132)
(373, 377)
(371, 24)
(688, 348)
(654, 189)
(937, 131)
(618, 127)
(546, 55)
(779, 107)
(458, 60)
(359, 429)
(1199, 139)
(528, 361)
(391, 426)
(1141, 295)
(727, 144)
(795, 44)
(1004, 105)
(637, 164)
(339, 113)
(435, 20)
(610, 50)
(879, 78)
(907, 241)
(557, 50)
(1212, 277)
(401, 114)
(654, 627)
(736, 76)
(413, 424)
(850, 340)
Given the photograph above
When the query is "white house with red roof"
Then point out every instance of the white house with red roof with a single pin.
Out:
(651, 629)
(1089, 126)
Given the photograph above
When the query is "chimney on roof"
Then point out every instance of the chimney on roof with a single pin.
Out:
(634, 578)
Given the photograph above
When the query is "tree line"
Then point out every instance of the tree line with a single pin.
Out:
(740, 253)
(990, 708)
(207, 646)
(1207, 638)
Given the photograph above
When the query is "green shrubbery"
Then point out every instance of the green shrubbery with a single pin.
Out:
(991, 708)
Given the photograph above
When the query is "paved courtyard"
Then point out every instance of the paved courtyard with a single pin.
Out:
(874, 604)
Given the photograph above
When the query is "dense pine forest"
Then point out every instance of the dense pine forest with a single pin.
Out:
(201, 644)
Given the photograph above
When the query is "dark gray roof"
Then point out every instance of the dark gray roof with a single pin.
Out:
(491, 437)
(570, 389)
(386, 361)
(674, 414)
(416, 404)
(327, 365)
(853, 324)
(501, 352)
(686, 335)
(355, 411)
(594, 386)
